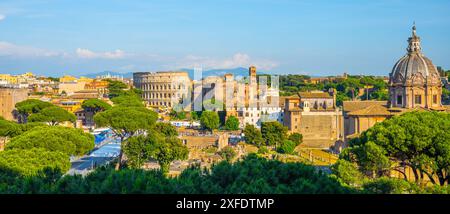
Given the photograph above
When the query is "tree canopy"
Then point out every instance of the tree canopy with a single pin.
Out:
(31, 106)
(297, 138)
(274, 133)
(52, 115)
(69, 141)
(253, 135)
(126, 122)
(127, 101)
(166, 129)
(252, 175)
(95, 105)
(156, 146)
(419, 140)
(232, 123)
(209, 120)
(30, 162)
(12, 129)
(116, 88)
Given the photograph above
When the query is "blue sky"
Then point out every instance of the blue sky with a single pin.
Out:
(55, 37)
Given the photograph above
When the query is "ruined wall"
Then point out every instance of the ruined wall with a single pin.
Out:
(321, 130)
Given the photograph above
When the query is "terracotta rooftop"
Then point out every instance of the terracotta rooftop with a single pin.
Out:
(371, 110)
(349, 106)
(314, 95)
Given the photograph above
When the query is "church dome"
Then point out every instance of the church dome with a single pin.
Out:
(414, 69)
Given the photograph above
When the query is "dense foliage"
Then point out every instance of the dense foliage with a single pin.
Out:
(210, 120)
(126, 122)
(297, 138)
(54, 138)
(252, 175)
(95, 105)
(69, 141)
(287, 147)
(227, 153)
(274, 133)
(232, 123)
(31, 106)
(52, 115)
(154, 146)
(253, 135)
(30, 162)
(418, 140)
(347, 88)
(12, 129)
(177, 115)
(166, 129)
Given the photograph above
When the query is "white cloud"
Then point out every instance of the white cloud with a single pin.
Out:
(237, 60)
(2, 17)
(86, 53)
(9, 49)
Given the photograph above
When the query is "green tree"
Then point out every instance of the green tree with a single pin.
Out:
(232, 123)
(155, 146)
(30, 162)
(287, 147)
(127, 101)
(209, 120)
(95, 105)
(166, 129)
(348, 173)
(126, 122)
(52, 115)
(195, 115)
(69, 141)
(274, 133)
(31, 106)
(297, 138)
(419, 140)
(12, 129)
(177, 115)
(139, 148)
(169, 150)
(253, 135)
(227, 153)
(116, 88)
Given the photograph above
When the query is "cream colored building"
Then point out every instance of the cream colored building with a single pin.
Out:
(414, 81)
(165, 89)
(70, 87)
(315, 116)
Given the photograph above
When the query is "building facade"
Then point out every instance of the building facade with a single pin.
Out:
(315, 116)
(8, 99)
(414, 83)
(165, 89)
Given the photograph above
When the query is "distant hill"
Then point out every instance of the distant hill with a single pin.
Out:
(214, 72)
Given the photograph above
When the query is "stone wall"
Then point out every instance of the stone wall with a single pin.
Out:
(320, 130)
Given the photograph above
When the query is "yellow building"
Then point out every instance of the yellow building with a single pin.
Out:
(85, 79)
(9, 78)
(67, 78)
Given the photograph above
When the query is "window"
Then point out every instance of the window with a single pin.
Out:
(418, 99)
(399, 100)
(435, 99)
